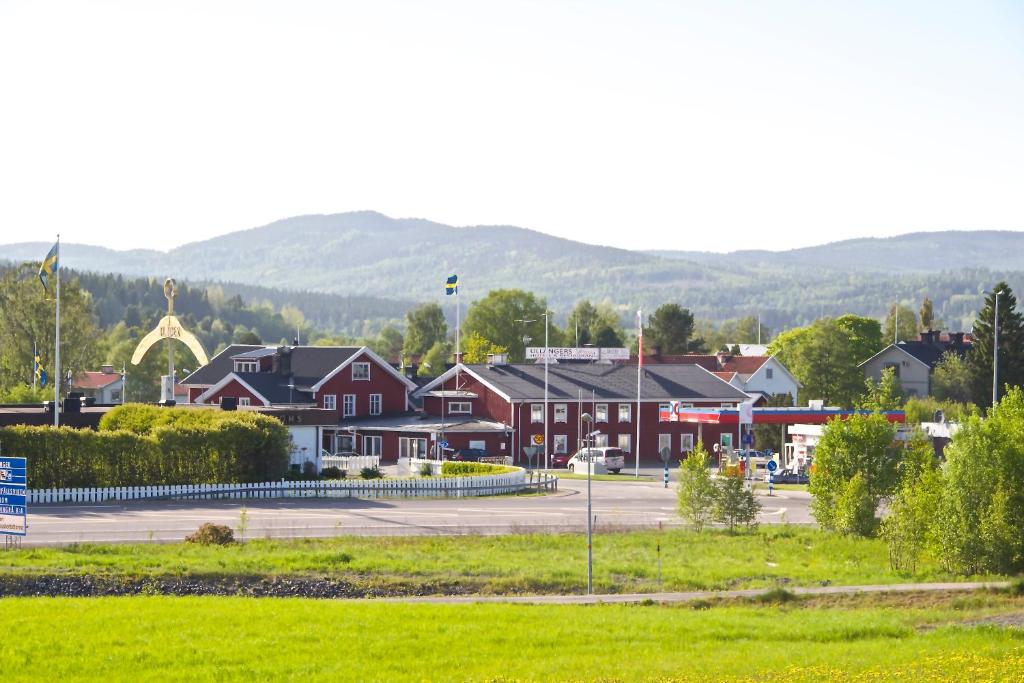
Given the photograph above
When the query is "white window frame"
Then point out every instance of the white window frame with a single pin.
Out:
(376, 404)
(561, 443)
(601, 441)
(600, 412)
(348, 405)
(626, 408)
(360, 365)
(244, 401)
(561, 412)
(371, 445)
(409, 446)
(247, 366)
(662, 438)
(330, 401)
(625, 443)
(536, 413)
(460, 408)
(685, 443)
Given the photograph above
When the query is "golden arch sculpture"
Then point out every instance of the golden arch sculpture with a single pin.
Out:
(170, 328)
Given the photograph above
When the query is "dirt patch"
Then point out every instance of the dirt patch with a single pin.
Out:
(1015, 620)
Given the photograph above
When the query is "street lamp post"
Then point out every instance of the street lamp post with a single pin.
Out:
(587, 420)
(547, 315)
(995, 352)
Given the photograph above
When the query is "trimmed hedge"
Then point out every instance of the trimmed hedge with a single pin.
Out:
(451, 468)
(193, 447)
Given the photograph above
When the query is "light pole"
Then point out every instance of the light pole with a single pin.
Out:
(547, 315)
(587, 420)
(995, 352)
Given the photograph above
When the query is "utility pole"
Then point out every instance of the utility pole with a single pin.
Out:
(547, 316)
(995, 352)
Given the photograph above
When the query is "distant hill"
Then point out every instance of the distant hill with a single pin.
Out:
(367, 254)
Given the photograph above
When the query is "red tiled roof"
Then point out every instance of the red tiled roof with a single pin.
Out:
(94, 380)
(727, 376)
(706, 361)
(744, 365)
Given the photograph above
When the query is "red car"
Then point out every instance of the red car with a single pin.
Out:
(559, 460)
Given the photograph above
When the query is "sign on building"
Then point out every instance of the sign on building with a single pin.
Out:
(13, 504)
(573, 353)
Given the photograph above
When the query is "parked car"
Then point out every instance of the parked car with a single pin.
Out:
(605, 459)
(789, 477)
(559, 460)
(468, 454)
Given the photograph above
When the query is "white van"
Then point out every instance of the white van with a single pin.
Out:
(605, 459)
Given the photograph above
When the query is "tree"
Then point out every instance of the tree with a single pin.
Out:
(909, 529)
(920, 409)
(745, 331)
(734, 503)
(886, 394)
(425, 326)
(435, 361)
(865, 336)
(669, 330)
(498, 318)
(27, 317)
(927, 315)
(696, 490)
(823, 357)
(243, 336)
(598, 325)
(1011, 346)
(907, 324)
(951, 378)
(860, 444)
(767, 435)
(476, 349)
(388, 344)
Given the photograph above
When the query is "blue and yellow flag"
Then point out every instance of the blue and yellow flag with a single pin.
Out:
(451, 286)
(49, 266)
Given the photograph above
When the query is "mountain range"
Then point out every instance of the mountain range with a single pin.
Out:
(368, 254)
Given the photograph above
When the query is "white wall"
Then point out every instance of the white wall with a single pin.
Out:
(780, 383)
(304, 436)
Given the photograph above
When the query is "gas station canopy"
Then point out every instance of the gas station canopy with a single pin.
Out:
(800, 415)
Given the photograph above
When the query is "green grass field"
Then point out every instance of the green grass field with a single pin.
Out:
(624, 476)
(517, 563)
(158, 638)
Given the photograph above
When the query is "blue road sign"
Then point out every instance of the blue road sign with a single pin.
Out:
(13, 506)
(442, 444)
(12, 500)
(13, 464)
(772, 465)
(13, 479)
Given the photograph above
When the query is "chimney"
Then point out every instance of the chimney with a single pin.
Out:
(107, 369)
(956, 339)
(282, 364)
(497, 359)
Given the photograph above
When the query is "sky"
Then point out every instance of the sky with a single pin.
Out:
(713, 125)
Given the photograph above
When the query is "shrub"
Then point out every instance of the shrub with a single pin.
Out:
(696, 491)
(854, 509)
(371, 473)
(907, 529)
(332, 473)
(212, 534)
(734, 504)
(462, 469)
(309, 470)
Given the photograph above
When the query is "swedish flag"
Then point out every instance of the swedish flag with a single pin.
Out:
(451, 285)
(49, 266)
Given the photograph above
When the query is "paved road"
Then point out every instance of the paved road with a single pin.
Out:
(629, 504)
(691, 596)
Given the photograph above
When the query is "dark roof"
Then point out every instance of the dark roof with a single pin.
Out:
(309, 364)
(660, 382)
(414, 422)
(258, 353)
(219, 366)
(275, 388)
(930, 353)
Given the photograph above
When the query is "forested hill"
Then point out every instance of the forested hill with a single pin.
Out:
(366, 254)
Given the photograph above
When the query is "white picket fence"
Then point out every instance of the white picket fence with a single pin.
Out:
(425, 487)
(350, 463)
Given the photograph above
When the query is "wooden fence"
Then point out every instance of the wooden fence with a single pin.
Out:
(352, 464)
(424, 487)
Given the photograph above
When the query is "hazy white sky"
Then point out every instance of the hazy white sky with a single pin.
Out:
(689, 125)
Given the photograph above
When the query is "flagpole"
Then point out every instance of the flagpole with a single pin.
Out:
(639, 374)
(35, 364)
(56, 352)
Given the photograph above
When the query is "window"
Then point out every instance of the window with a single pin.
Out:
(624, 442)
(330, 401)
(561, 413)
(243, 401)
(247, 366)
(460, 408)
(536, 412)
(409, 447)
(371, 445)
(375, 404)
(664, 411)
(561, 443)
(349, 405)
(601, 412)
(624, 412)
(361, 371)
(768, 373)
(600, 441)
(664, 441)
(895, 369)
(685, 443)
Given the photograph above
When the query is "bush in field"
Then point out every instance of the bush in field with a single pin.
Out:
(371, 473)
(859, 445)
(455, 469)
(734, 504)
(909, 528)
(212, 534)
(332, 473)
(426, 470)
(195, 446)
(696, 490)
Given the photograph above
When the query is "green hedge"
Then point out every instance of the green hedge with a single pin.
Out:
(144, 445)
(462, 469)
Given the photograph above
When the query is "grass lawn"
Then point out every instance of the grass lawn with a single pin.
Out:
(621, 477)
(516, 563)
(159, 638)
(762, 486)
